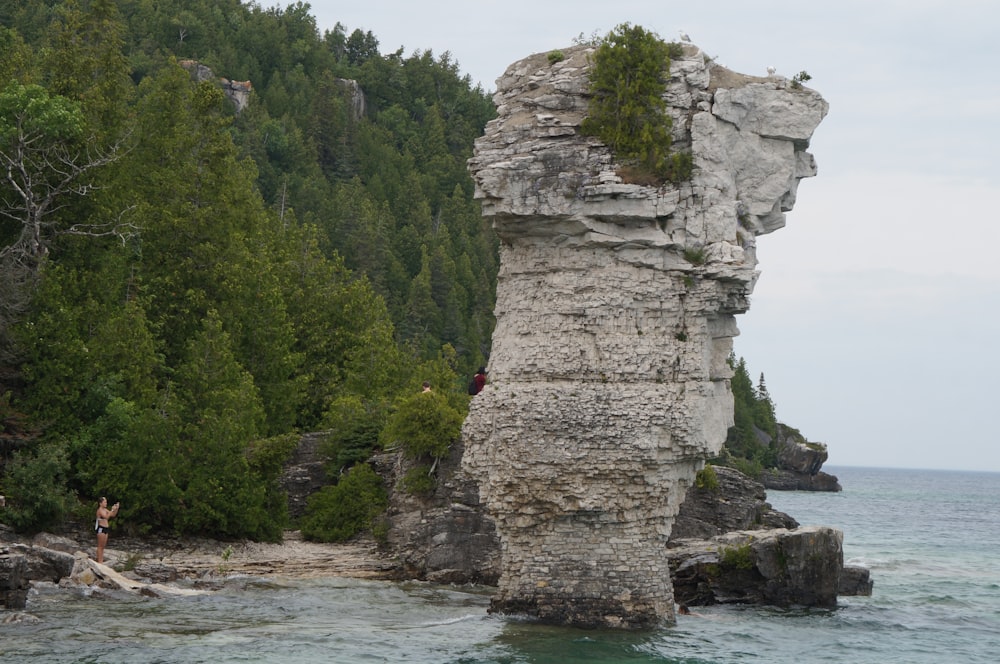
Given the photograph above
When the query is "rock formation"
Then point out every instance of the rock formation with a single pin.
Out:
(238, 92)
(777, 567)
(615, 317)
(304, 472)
(799, 463)
(734, 502)
(444, 538)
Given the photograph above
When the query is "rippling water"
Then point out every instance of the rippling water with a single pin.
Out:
(931, 540)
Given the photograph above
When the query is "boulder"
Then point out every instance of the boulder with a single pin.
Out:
(87, 572)
(779, 567)
(736, 502)
(855, 581)
(13, 580)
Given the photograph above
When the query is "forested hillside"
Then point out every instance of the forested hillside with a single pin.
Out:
(186, 285)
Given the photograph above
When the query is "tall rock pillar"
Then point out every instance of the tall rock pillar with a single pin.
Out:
(609, 385)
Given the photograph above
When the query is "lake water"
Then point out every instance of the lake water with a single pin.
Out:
(930, 538)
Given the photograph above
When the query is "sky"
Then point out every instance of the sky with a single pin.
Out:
(876, 315)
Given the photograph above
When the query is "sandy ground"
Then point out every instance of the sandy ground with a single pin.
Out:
(294, 557)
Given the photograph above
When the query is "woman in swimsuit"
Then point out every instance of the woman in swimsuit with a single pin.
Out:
(103, 514)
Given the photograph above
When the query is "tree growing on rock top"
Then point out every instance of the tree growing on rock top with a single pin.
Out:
(627, 111)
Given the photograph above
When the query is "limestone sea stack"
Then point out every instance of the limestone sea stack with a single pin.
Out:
(609, 385)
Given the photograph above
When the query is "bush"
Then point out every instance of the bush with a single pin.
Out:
(419, 481)
(424, 425)
(737, 557)
(339, 512)
(37, 496)
(354, 425)
(707, 479)
(627, 110)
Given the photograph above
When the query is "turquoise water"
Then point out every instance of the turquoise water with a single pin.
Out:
(931, 539)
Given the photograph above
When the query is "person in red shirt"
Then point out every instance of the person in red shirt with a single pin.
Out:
(480, 379)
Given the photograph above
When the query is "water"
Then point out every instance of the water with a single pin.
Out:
(931, 540)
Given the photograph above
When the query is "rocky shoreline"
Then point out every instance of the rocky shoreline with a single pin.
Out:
(728, 545)
(162, 567)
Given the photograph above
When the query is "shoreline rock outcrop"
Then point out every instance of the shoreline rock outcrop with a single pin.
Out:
(443, 538)
(616, 307)
(799, 464)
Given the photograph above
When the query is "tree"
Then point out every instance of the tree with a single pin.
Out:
(749, 443)
(338, 512)
(627, 110)
(46, 158)
(424, 425)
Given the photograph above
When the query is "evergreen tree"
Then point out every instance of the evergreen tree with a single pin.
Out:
(627, 110)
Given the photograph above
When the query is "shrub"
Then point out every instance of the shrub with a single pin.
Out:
(556, 56)
(354, 426)
(424, 425)
(800, 78)
(419, 481)
(738, 557)
(37, 496)
(627, 110)
(339, 512)
(695, 255)
(707, 479)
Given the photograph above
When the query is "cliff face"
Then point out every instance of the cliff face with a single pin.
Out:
(615, 316)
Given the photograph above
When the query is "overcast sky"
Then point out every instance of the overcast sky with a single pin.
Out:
(876, 316)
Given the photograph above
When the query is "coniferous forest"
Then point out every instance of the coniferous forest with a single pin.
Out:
(189, 282)
(221, 227)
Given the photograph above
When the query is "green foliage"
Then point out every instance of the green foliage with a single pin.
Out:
(750, 444)
(752, 468)
(424, 425)
(354, 425)
(35, 489)
(695, 255)
(800, 78)
(707, 479)
(231, 279)
(627, 110)
(30, 114)
(556, 56)
(737, 557)
(419, 481)
(339, 512)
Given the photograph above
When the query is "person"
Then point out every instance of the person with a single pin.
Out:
(685, 611)
(480, 379)
(101, 525)
(427, 386)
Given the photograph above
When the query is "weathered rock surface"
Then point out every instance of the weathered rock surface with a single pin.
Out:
(615, 317)
(856, 580)
(737, 503)
(304, 473)
(238, 92)
(14, 582)
(799, 463)
(447, 537)
(777, 567)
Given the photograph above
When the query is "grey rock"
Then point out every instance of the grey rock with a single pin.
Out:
(14, 582)
(855, 581)
(737, 503)
(616, 306)
(305, 472)
(778, 567)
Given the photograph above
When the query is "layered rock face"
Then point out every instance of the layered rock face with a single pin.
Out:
(615, 315)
